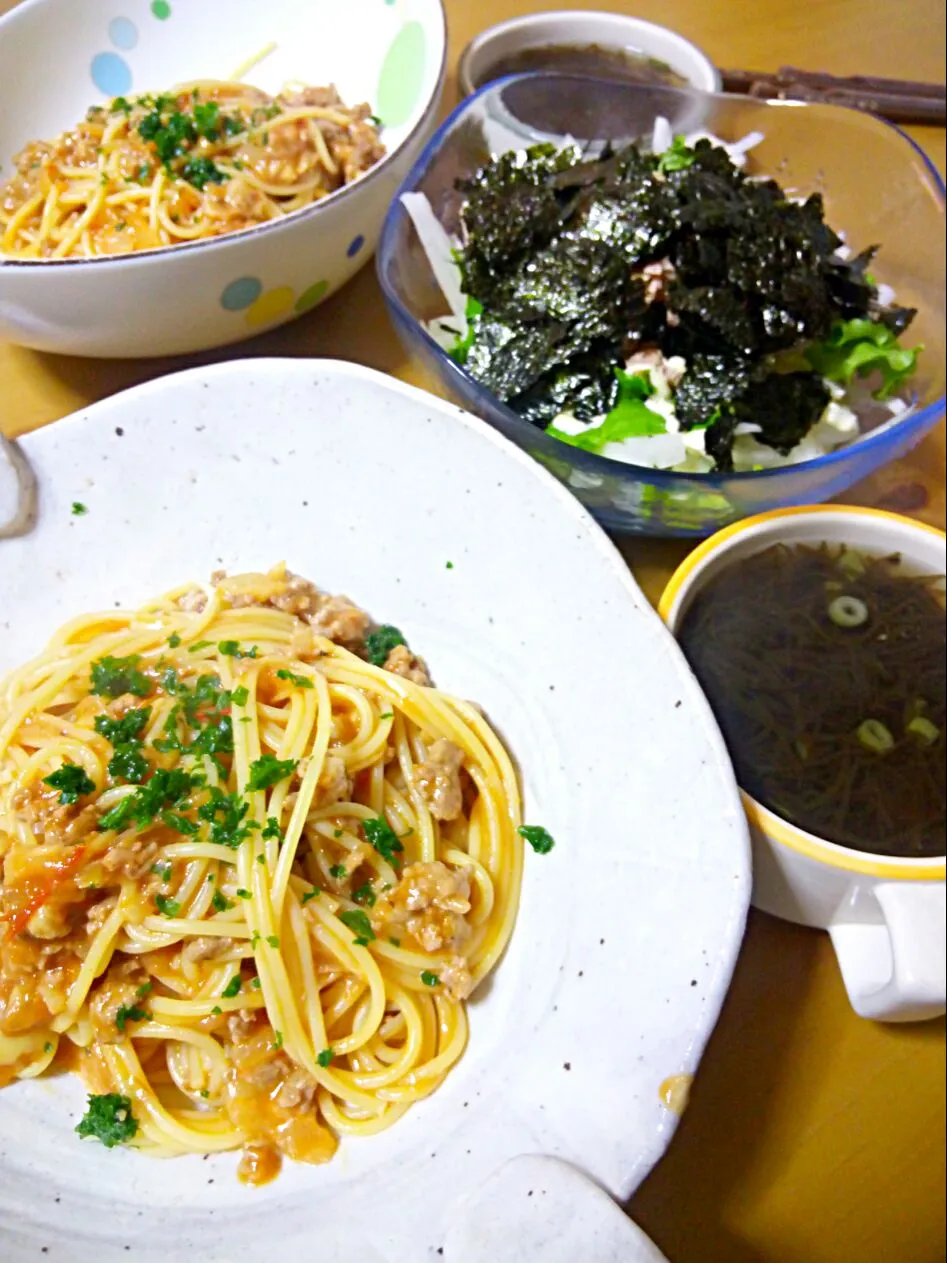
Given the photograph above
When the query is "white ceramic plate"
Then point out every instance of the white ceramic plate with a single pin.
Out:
(627, 932)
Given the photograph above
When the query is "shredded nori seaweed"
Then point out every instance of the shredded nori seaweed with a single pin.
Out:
(555, 244)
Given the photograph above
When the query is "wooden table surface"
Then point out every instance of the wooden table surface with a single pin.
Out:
(812, 1136)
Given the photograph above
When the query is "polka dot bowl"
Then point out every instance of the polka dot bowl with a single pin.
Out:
(58, 58)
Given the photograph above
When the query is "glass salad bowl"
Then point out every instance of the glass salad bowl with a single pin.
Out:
(879, 189)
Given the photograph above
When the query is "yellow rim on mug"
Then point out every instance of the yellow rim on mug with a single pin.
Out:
(781, 831)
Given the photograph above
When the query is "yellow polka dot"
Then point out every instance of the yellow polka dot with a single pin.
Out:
(271, 305)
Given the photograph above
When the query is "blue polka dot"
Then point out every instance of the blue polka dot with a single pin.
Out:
(355, 246)
(241, 293)
(111, 74)
(123, 33)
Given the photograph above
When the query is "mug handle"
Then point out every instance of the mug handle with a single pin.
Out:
(897, 971)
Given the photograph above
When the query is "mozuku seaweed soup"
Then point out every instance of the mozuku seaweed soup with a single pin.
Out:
(574, 263)
(826, 672)
(622, 64)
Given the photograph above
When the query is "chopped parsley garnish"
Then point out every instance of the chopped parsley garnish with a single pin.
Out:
(379, 643)
(383, 838)
(243, 894)
(325, 1058)
(162, 870)
(146, 988)
(268, 771)
(174, 640)
(207, 701)
(359, 924)
(231, 649)
(256, 984)
(388, 714)
(232, 988)
(79, 509)
(72, 781)
(301, 681)
(109, 1118)
(429, 979)
(205, 708)
(121, 731)
(240, 696)
(272, 830)
(171, 682)
(128, 763)
(338, 871)
(170, 136)
(311, 894)
(225, 813)
(220, 903)
(539, 839)
(167, 907)
(395, 942)
(364, 895)
(129, 1013)
(111, 677)
(277, 1039)
(174, 820)
(207, 119)
(164, 789)
(216, 1011)
(47, 1047)
(214, 738)
(121, 105)
(272, 940)
(200, 644)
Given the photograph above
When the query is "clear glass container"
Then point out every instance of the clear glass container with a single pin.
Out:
(879, 189)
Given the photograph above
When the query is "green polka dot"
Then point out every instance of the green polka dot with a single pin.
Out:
(161, 9)
(402, 75)
(312, 296)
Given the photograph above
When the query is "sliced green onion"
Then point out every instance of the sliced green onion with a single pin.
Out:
(851, 563)
(848, 611)
(875, 736)
(922, 728)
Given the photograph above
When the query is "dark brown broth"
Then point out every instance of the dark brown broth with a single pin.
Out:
(625, 65)
(792, 690)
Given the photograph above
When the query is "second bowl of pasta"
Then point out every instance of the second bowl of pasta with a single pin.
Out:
(231, 175)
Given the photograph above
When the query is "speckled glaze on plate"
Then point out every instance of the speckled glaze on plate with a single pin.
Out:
(627, 932)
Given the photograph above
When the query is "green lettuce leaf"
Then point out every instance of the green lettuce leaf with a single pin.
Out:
(461, 348)
(860, 347)
(629, 418)
(677, 157)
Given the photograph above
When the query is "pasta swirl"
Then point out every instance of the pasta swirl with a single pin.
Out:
(250, 876)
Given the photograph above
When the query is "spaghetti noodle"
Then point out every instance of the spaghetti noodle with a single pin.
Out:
(253, 866)
(206, 159)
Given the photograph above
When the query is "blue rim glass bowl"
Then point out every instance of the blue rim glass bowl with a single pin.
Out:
(879, 189)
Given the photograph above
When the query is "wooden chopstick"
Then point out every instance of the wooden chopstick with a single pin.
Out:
(899, 100)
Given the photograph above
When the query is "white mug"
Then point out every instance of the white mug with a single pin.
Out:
(886, 915)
